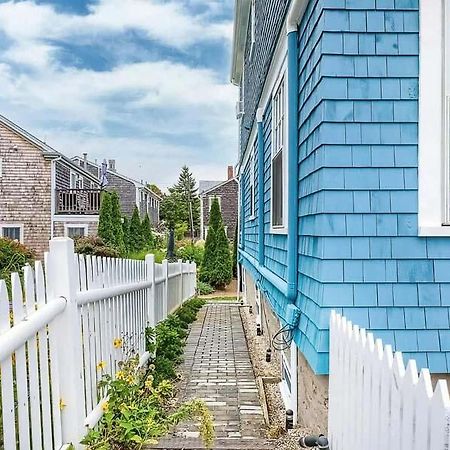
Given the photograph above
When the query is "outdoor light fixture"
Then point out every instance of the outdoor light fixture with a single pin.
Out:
(268, 355)
(258, 330)
(289, 419)
(321, 442)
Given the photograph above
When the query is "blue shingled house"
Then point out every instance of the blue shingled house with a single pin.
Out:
(344, 172)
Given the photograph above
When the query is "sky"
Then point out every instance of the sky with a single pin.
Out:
(145, 82)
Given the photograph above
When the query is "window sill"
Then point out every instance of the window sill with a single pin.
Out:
(278, 230)
(434, 231)
(250, 219)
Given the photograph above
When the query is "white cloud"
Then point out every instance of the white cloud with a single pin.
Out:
(168, 23)
(153, 116)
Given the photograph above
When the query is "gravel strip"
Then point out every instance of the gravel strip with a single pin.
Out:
(257, 346)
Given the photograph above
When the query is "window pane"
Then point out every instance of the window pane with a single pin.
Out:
(11, 233)
(74, 232)
(277, 194)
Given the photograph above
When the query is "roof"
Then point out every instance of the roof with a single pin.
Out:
(204, 185)
(47, 151)
(215, 186)
(138, 184)
(241, 19)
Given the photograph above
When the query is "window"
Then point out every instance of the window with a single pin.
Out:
(434, 119)
(13, 232)
(76, 181)
(278, 155)
(76, 230)
(252, 183)
(211, 199)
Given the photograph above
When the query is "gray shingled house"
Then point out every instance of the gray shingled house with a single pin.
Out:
(226, 191)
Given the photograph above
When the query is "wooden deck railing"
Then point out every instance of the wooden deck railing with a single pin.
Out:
(78, 201)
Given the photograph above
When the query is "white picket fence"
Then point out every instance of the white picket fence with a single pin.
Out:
(66, 326)
(375, 402)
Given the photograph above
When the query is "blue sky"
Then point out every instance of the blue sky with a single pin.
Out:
(143, 81)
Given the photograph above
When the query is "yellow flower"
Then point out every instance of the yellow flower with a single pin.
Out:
(130, 379)
(117, 343)
(120, 375)
(62, 405)
(105, 407)
(101, 365)
(148, 384)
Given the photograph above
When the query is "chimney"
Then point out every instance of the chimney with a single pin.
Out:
(85, 160)
(112, 165)
(230, 172)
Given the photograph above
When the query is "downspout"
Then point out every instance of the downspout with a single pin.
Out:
(259, 119)
(292, 102)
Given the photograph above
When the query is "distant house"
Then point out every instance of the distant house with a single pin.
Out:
(131, 192)
(43, 194)
(227, 194)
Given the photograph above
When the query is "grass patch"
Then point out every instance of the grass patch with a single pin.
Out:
(222, 299)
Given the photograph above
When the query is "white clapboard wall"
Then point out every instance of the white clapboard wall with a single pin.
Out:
(379, 401)
(58, 327)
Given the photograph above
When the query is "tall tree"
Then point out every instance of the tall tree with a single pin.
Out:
(171, 214)
(147, 232)
(126, 233)
(136, 239)
(116, 223)
(190, 201)
(105, 228)
(217, 266)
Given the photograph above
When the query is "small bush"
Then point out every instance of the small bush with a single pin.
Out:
(204, 288)
(94, 245)
(193, 253)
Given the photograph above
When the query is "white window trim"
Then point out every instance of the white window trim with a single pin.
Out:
(211, 199)
(282, 229)
(252, 216)
(67, 226)
(433, 163)
(78, 178)
(13, 225)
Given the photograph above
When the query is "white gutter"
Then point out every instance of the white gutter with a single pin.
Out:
(295, 14)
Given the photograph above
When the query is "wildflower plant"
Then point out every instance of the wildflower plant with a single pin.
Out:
(141, 405)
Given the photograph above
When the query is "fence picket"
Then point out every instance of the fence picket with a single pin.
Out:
(375, 401)
(33, 369)
(44, 371)
(7, 380)
(21, 366)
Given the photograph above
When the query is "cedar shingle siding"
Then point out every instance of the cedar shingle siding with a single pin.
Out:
(25, 189)
(228, 194)
(269, 20)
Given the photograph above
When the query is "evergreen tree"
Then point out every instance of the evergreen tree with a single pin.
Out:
(116, 224)
(126, 233)
(189, 199)
(217, 266)
(147, 232)
(221, 272)
(105, 226)
(136, 238)
(209, 256)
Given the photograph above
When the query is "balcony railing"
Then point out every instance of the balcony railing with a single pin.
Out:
(78, 201)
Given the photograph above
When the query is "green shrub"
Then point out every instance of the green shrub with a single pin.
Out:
(204, 288)
(94, 245)
(105, 223)
(217, 266)
(147, 234)
(193, 253)
(136, 239)
(13, 257)
(116, 223)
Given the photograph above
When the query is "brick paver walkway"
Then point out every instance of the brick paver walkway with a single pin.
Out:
(217, 369)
